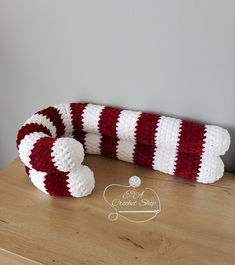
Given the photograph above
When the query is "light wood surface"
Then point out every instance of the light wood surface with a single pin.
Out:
(10, 258)
(196, 224)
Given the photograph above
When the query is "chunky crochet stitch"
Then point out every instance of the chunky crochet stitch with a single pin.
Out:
(52, 142)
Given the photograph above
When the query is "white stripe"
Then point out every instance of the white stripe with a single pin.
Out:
(217, 140)
(81, 182)
(167, 132)
(67, 153)
(91, 117)
(65, 113)
(125, 150)
(26, 145)
(92, 143)
(42, 120)
(211, 169)
(166, 141)
(126, 125)
(38, 178)
(164, 160)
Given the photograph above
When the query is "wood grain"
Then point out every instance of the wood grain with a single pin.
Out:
(9, 258)
(196, 224)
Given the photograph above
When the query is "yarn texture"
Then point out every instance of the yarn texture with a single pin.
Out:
(52, 143)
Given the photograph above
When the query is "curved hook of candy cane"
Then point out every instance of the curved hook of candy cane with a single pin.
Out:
(55, 164)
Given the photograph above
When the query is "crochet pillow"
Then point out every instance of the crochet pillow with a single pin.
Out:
(52, 142)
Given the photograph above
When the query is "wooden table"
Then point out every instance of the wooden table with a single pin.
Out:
(196, 224)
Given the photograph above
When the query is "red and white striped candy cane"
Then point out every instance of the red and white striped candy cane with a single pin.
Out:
(52, 142)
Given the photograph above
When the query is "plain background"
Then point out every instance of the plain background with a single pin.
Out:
(171, 57)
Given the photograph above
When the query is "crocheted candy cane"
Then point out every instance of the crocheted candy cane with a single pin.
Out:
(161, 159)
(52, 142)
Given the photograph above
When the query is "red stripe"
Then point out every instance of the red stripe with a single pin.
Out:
(143, 155)
(76, 115)
(41, 160)
(146, 128)
(30, 128)
(187, 166)
(80, 136)
(56, 184)
(108, 146)
(145, 138)
(108, 121)
(191, 142)
(40, 157)
(54, 116)
(192, 138)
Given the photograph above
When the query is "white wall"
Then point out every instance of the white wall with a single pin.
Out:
(174, 57)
